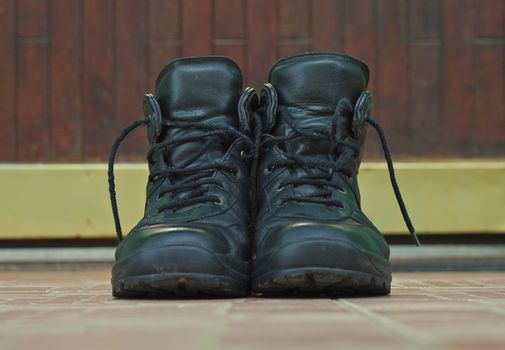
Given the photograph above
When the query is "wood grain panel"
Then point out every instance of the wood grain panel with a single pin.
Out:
(32, 98)
(458, 96)
(196, 27)
(229, 19)
(32, 18)
(490, 109)
(424, 18)
(99, 72)
(490, 76)
(233, 50)
(490, 18)
(131, 69)
(164, 19)
(7, 81)
(230, 30)
(294, 27)
(328, 25)
(391, 88)
(437, 66)
(360, 38)
(66, 75)
(164, 35)
(426, 84)
(262, 40)
(294, 18)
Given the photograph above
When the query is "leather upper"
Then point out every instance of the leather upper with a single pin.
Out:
(304, 93)
(197, 90)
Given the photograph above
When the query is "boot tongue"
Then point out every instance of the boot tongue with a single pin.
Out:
(309, 87)
(198, 89)
(318, 79)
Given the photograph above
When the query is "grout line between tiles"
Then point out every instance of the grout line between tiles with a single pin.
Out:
(407, 335)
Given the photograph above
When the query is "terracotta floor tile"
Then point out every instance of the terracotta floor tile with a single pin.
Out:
(75, 310)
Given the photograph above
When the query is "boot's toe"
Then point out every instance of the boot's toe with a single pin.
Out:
(175, 259)
(329, 252)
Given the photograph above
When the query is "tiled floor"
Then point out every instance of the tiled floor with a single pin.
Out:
(74, 310)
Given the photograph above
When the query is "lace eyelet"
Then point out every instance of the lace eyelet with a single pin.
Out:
(235, 173)
(280, 187)
(242, 154)
(342, 190)
(268, 170)
(218, 201)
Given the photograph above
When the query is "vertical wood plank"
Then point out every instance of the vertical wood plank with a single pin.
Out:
(196, 27)
(7, 81)
(458, 100)
(328, 25)
(425, 79)
(229, 20)
(234, 50)
(229, 30)
(262, 40)
(424, 19)
(73, 71)
(392, 83)
(163, 37)
(32, 18)
(490, 77)
(490, 108)
(294, 27)
(131, 80)
(360, 39)
(425, 101)
(490, 18)
(164, 19)
(33, 128)
(294, 18)
(99, 120)
(66, 77)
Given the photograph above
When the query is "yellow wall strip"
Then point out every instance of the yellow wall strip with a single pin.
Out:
(71, 200)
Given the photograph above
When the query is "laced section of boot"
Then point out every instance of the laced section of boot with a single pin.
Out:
(346, 150)
(185, 177)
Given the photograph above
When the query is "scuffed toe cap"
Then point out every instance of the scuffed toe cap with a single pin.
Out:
(154, 237)
(359, 236)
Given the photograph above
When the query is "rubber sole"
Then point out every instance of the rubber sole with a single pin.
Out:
(320, 281)
(321, 267)
(178, 285)
(179, 272)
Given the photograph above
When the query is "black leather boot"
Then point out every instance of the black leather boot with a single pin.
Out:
(193, 239)
(311, 235)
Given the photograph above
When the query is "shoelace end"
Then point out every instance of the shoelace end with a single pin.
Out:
(416, 239)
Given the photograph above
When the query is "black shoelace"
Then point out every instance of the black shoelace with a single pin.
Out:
(184, 177)
(346, 150)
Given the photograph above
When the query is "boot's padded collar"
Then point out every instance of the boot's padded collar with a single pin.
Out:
(199, 87)
(311, 55)
(195, 59)
(318, 78)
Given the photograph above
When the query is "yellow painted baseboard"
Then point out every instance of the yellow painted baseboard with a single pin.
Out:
(71, 200)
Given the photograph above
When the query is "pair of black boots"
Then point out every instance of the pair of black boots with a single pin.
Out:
(249, 193)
